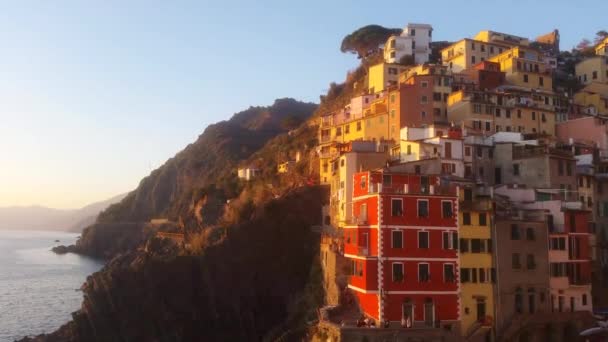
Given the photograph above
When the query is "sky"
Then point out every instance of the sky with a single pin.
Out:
(96, 94)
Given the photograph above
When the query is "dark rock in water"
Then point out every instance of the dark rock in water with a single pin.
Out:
(57, 241)
(64, 249)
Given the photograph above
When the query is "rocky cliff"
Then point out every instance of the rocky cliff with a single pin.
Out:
(258, 281)
(249, 268)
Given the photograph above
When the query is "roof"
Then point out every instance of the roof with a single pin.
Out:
(597, 88)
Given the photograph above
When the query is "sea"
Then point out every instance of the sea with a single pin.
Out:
(38, 288)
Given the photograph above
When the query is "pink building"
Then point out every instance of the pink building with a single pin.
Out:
(588, 129)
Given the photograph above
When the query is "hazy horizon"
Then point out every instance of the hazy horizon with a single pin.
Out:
(96, 95)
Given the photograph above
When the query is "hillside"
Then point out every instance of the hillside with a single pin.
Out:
(256, 282)
(212, 159)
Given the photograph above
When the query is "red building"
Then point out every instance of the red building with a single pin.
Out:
(402, 245)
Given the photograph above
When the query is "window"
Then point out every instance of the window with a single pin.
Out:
(482, 219)
(466, 219)
(363, 182)
(541, 81)
(584, 299)
(479, 152)
(519, 113)
(594, 75)
(396, 207)
(488, 127)
(423, 208)
(473, 59)
(423, 99)
(412, 32)
(515, 169)
(358, 125)
(530, 263)
(424, 274)
(448, 273)
(468, 194)
(560, 167)
(515, 232)
(508, 113)
(424, 84)
(338, 131)
(465, 275)
(497, 112)
(530, 234)
(533, 115)
(423, 239)
(482, 275)
(515, 262)
(387, 180)
(464, 245)
(473, 275)
(569, 168)
(519, 301)
(525, 78)
(398, 272)
(478, 246)
(446, 209)
(467, 151)
(347, 129)
(397, 239)
(450, 240)
(409, 149)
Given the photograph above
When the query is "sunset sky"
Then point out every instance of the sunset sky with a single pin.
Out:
(95, 94)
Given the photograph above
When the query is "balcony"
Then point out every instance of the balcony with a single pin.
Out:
(580, 281)
(379, 188)
(362, 251)
(325, 138)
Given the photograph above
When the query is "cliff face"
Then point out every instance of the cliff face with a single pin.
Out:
(251, 284)
(168, 191)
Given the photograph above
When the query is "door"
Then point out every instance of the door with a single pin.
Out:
(364, 245)
(407, 314)
(497, 175)
(429, 313)
(481, 310)
(448, 150)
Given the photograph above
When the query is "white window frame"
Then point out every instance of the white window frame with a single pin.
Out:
(402, 271)
(428, 240)
(402, 239)
(450, 235)
(429, 273)
(402, 210)
(428, 209)
(445, 280)
(451, 205)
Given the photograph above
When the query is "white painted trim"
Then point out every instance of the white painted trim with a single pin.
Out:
(454, 273)
(358, 257)
(428, 208)
(428, 240)
(393, 273)
(451, 204)
(402, 239)
(358, 289)
(418, 271)
(402, 209)
(364, 197)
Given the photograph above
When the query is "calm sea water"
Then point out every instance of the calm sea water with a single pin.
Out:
(38, 289)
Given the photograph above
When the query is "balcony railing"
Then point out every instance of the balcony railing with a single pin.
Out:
(363, 251)
(379, 188)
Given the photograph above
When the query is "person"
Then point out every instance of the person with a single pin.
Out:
(406, 322)
(403, 322)
(386, 324)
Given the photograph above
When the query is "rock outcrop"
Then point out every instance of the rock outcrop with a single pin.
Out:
(253, 281)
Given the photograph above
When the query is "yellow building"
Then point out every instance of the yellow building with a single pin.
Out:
(379, 122)
(594, 98)
(468, 52)
(383, 75)
(601, 49)
(498, 37)
(477, 272)
(491, 112)
(594, 69)
(524, 67)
